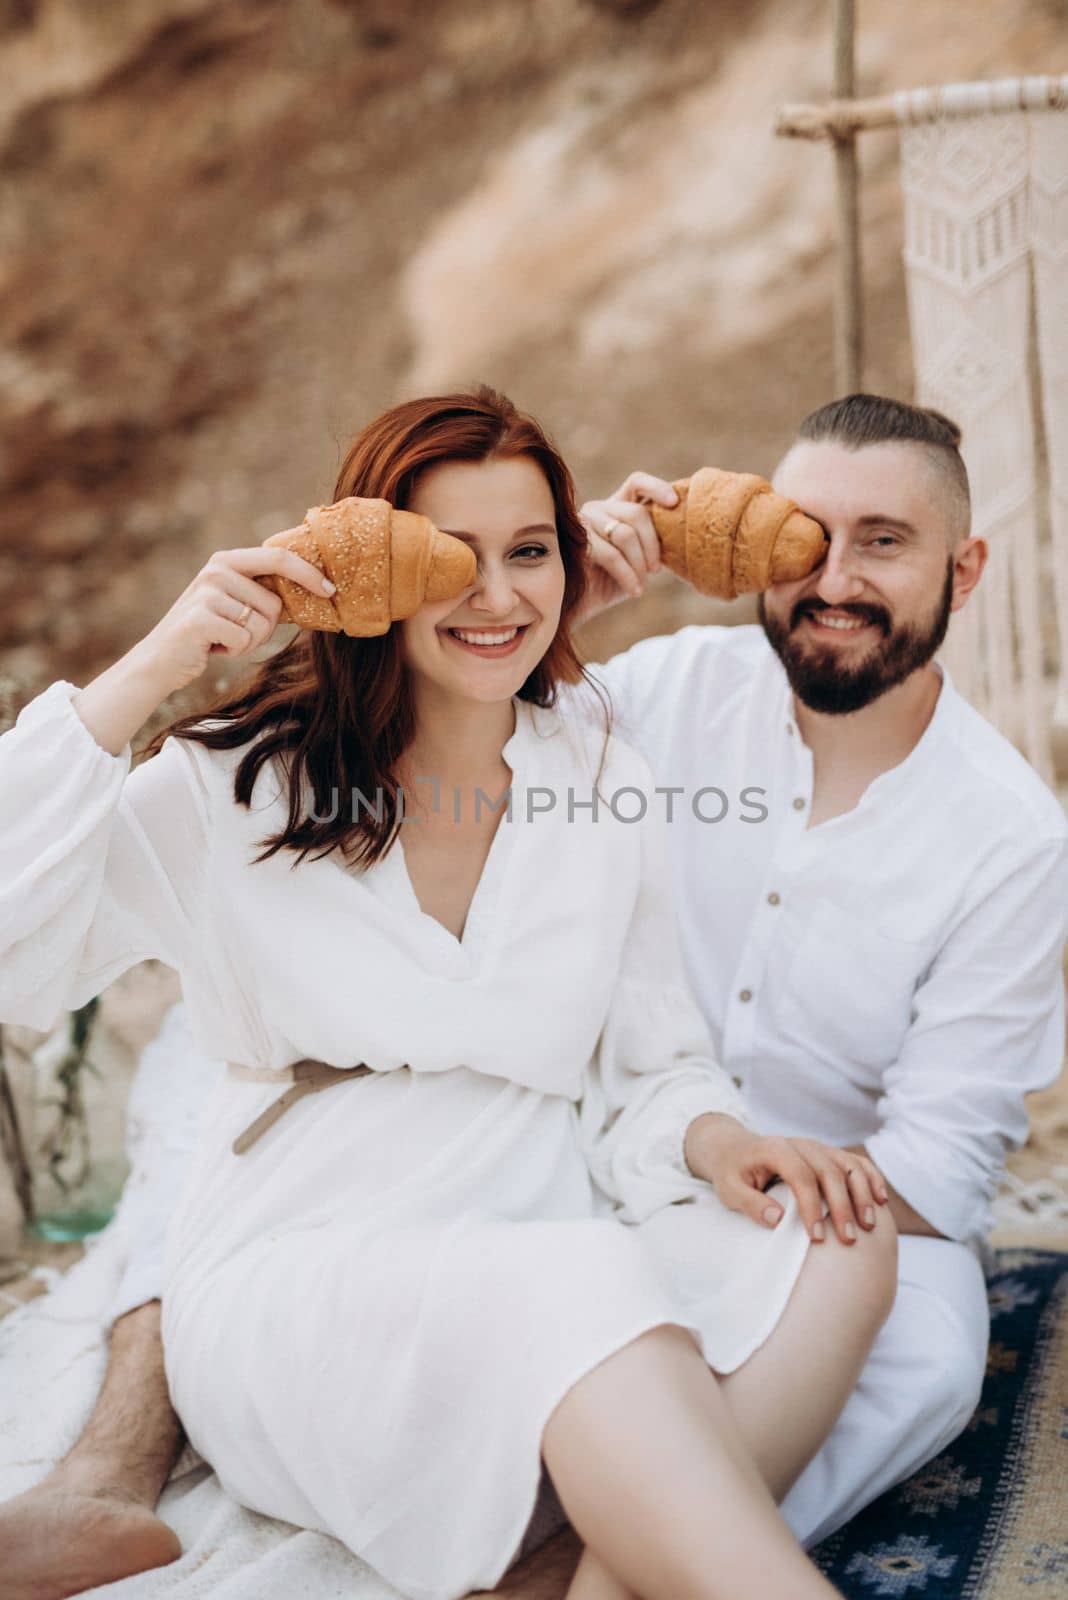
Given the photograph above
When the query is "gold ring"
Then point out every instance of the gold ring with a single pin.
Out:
(245, 614)
(611, 528)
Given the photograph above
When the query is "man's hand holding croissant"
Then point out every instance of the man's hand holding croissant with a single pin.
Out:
(725, 533)
(623, 549)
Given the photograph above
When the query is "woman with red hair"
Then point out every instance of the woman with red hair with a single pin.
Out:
(493, 1238)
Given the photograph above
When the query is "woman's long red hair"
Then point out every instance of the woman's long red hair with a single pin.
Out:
(339, 711)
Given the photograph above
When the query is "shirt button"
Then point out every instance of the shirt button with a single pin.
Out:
(737, 1082)
(799, 803)
(773, 899)
(789, 727)
(745, 994)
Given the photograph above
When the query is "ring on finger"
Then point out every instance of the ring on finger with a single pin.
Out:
(246, 612)
(613, 524)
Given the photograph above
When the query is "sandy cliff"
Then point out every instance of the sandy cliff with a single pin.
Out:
(231, 232)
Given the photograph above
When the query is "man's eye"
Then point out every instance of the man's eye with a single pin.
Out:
(886, 539)
(531, 552)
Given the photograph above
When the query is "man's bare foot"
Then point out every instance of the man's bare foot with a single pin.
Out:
(91, 1520)
(56, 1542)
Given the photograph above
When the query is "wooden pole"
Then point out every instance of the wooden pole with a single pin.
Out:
(848, 338)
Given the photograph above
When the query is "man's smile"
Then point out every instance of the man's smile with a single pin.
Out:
(823, 621)
(835, 622)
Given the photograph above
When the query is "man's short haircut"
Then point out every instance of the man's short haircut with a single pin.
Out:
(858, 420)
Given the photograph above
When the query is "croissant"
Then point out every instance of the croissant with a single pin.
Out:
(731, 534)
(385, 564)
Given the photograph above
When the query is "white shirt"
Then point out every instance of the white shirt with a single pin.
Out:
(891, 976)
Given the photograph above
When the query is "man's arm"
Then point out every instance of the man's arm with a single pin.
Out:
(623, 548)
(906, 1217)
(987, 1029)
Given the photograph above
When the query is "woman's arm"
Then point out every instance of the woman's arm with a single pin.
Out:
(654, 1069)
(223, 611)
(660, 1119)
(99, 867)
(742, 1166)
(118, 703)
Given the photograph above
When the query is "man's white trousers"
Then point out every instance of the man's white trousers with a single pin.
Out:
(917, 1392)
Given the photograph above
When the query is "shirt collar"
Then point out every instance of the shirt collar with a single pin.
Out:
(533, 724)
(923, 752)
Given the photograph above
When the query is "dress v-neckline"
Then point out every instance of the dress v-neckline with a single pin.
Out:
(482, 897)
(478, 920)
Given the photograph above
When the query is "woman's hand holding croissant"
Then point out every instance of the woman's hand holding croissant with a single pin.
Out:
(623, 549)
(741, 1165)
(225, 611)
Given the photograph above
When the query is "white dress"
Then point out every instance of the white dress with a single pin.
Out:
(370, 1315)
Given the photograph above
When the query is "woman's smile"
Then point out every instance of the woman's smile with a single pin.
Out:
(490, 642)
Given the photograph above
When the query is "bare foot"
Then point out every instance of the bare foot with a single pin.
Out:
(57, 1542)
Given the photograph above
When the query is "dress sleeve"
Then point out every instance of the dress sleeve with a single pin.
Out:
(654, 1069)
(987, 1029)
(100, 868)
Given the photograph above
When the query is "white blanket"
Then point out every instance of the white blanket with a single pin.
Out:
(52, 1358)
(53, 1353)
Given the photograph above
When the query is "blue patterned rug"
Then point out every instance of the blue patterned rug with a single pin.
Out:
(987, 1519)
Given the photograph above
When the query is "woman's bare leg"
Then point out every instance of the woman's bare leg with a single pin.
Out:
(787, 1397)
(658, 1482)
(593, 1581)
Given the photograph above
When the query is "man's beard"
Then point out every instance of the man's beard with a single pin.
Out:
(817, 676)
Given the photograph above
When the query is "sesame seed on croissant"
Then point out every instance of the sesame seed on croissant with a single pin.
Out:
(731, 534)
(385, 564)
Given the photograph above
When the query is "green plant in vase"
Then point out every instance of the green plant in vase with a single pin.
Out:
(75, 1186)
(12, 1143)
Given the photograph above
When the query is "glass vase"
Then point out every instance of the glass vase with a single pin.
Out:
(77, 1145)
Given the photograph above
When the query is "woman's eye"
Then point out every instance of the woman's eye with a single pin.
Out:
(531, 552)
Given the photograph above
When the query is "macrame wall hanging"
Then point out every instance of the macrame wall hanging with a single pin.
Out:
(985, 176)
(986, 254)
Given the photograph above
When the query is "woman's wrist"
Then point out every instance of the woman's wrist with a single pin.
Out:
(117, 703)
(706, 1135)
